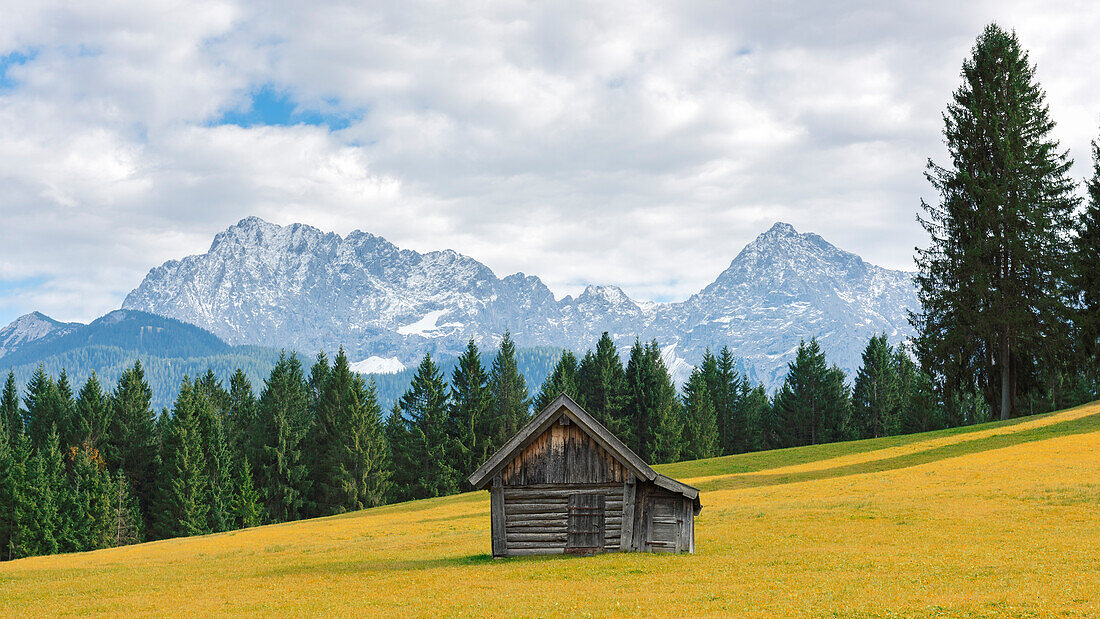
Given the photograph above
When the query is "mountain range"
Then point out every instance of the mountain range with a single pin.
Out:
(301, 288)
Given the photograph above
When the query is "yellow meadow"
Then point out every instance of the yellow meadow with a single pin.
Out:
(986, 521)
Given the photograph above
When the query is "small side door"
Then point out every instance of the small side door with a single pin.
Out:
(586, 524)
(664, 524)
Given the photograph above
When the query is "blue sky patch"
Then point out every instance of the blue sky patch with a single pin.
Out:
(12, 59)
(271, 107)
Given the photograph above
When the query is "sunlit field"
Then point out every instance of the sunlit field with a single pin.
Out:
(995, 520)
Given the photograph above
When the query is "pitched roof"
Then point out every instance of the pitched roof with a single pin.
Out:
(564, 405)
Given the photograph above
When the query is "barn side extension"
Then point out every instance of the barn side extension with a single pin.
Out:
(565, 484)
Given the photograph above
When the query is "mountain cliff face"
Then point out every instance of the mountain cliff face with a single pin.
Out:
(297, 287)
(31, 328)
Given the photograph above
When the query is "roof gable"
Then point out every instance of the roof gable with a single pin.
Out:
(564, 405)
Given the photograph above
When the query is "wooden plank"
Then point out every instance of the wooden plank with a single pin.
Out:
(497, 519)
(514, 517)
(626, 539)
(522, 552)
(536, 537)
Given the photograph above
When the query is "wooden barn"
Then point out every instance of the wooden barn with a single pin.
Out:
(565, 484)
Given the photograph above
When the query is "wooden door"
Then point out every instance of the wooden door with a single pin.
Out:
(664, 524)
(586, 524)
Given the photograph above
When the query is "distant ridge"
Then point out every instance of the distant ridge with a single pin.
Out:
(295, 286)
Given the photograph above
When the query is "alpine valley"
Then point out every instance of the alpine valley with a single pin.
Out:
(297, 287)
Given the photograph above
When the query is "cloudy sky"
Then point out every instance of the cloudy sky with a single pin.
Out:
(640, 144)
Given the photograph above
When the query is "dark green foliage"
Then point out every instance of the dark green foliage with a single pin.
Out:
(11, 479)
(124, 524)
(562, 380)
(601, 387)
(756, 411)
(700, 418)
(10, 415)
(282, 426)
(813, 404)
(241, 417)
(511, 400)
(40, 524)
(992, 284)
(86, 501)
(652, 406)
(1085, 283)
(90, 422)
(44, 409)
(184, 496)
(471, 425)
(247, 507)
(348, 452)
(876, 399)
(132, 444)
(423, 415)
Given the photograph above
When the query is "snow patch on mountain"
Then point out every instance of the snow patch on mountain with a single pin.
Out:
(377, 365)
(31, 328)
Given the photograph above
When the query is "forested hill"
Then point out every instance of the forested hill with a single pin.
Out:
(170, 349)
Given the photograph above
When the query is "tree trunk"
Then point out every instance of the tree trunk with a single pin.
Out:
(1006, 382)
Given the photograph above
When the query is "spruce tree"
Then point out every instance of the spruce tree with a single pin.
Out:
(132, 441)
(470, 424)
(601, 387)
(424, 414)
(91, 419)
(242, 417)
(184, 499)
(65, 409)
(756, 411)
(700, 419)
(813, 405)
(282, 426)
(87, 502)
(247, 506)
(405, 474)
(364, 463)
(563, 379)
(10, 483)
(9, 408)
(511, 400)
(654, 412)
(992, 283)
(43, 413)
(124, 525)
(1086, 273)
(40, 518)
(876, 398)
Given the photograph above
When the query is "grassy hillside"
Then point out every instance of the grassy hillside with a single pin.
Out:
(994, 520)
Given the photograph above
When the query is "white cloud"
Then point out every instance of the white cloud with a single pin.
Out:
(636, 144)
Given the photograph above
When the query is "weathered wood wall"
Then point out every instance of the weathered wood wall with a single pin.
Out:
(536, 517)
(563, 454)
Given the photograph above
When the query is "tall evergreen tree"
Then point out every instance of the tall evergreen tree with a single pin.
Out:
(132, 441)
(405, 477)
(813, 404)
(91, 419)
(11, 473)
(1086, 273)
(652, 405)
(876, 398)
(9, 408)
(423, 410)
(124, 517)
(700, 419)
(756, 411)
(470, 422)
(87, 501)
(601, 387)
(43, 413)
(992, 283)
(247, 505)
(40, 519)
(364, 460)
(511, 400)
(283, 424)
(563, 379)
(241, 417)
(184, 496)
